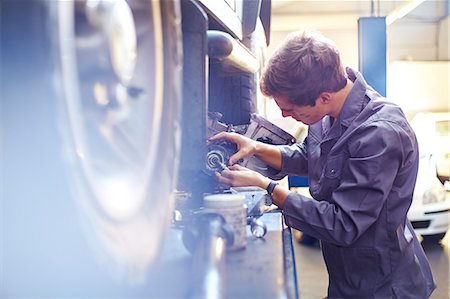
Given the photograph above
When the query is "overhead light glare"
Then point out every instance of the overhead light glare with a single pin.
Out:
(402, 10)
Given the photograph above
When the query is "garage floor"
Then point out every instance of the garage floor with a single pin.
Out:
(313, 278)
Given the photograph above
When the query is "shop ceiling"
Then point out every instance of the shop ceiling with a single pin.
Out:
(417, 29)
(289, 15)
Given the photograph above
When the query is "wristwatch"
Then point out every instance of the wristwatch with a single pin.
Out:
(270, 188)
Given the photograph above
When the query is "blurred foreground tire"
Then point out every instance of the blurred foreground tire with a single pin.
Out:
(90, 111)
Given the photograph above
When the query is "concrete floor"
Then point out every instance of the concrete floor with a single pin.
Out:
(312, 276)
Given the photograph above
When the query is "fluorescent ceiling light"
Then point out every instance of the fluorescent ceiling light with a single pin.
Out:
(402, 10)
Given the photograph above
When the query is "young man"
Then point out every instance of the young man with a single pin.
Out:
(361, 158)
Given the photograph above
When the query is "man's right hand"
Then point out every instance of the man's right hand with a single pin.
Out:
(246, 146)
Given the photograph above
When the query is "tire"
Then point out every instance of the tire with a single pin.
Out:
(233, 97)
(436, 238)
(121, 89)
(237, 96)
(59, 239)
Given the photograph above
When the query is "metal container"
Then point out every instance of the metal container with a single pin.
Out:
(232, 207)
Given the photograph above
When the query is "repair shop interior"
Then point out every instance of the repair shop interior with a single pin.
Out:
(224, 149)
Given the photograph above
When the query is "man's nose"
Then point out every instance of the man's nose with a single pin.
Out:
(285, 114)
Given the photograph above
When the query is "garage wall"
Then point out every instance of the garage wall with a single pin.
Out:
(444, 42)
(346, 40)
(412, 41)
(419, 85)
(406, 40)
(417, 48)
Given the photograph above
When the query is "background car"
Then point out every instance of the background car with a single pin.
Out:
(433, 134)
(430, 210)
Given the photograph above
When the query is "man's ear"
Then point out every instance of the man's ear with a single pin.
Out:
(325, 97)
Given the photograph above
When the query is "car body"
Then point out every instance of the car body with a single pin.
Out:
(430, 209)
(103, 108)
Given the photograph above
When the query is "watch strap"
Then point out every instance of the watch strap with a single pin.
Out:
(271, 187)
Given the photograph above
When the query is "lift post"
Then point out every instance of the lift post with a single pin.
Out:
(372, 51)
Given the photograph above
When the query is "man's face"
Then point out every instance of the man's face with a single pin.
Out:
(305, 114)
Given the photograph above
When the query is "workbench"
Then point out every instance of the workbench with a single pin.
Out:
(264, 269)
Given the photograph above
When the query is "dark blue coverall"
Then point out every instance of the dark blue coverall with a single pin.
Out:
(362, 171)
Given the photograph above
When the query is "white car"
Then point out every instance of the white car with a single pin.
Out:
(430, 209)
(433, 134)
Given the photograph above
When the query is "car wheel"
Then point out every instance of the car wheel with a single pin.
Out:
(120, 69)
(436, 238)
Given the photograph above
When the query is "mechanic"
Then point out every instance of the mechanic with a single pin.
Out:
(361, 158)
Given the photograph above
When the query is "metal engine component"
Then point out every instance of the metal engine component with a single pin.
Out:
(215, 126)
(217, 157)
(258, 202)
(258, 228)
(256, 199)
(259, 129)
(262, 130)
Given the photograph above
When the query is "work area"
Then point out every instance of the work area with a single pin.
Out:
(224, 149)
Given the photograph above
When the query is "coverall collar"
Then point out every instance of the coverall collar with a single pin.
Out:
(355, 101)
(352, 107)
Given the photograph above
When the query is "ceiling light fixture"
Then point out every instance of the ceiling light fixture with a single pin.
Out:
(402, 11)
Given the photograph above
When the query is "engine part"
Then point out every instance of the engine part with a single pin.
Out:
(257, 227)
(256, 199)
(215, 126)
(260, 129)
(217, 157)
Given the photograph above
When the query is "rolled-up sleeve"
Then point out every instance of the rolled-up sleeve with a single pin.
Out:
(376, 154)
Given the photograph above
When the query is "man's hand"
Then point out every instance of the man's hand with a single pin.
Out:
(238, 176)
(246, 146)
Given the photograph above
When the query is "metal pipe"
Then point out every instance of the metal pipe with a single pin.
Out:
(232, 55)
(207, 239)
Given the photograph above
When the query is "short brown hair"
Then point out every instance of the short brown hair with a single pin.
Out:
(305, 65)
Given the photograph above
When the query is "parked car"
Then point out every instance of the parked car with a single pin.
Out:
(433, 133)
(430, 209)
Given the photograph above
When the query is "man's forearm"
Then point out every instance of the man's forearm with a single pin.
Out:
(270, 154)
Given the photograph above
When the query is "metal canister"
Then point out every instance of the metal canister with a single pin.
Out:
(232, 207)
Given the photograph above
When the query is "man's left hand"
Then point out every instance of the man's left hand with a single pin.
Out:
(238, 176)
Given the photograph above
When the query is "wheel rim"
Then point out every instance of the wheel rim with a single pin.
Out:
(114, 106)
(113, 129)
